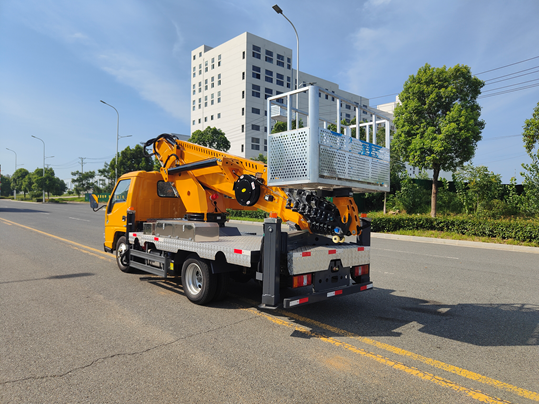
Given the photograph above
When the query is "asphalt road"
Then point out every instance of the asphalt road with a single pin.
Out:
(444, 324)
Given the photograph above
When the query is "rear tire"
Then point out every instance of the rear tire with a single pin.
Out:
(198, 281)
(122, 255)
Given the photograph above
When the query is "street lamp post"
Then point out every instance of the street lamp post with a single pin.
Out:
(14, 191)
(43, 201)
(278, 10)
(117, 138)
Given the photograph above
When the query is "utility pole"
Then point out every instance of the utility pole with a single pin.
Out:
(82, 164)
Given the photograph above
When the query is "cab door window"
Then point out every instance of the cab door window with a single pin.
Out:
(120, 194)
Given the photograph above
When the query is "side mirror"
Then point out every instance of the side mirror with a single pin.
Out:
(93, 201)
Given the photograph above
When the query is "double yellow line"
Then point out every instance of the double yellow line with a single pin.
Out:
(475, 394)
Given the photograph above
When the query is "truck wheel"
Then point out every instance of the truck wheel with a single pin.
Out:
(121, 255)
(222, 286)
(199, 283)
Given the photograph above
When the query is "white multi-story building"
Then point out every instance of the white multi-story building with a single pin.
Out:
(231, 82)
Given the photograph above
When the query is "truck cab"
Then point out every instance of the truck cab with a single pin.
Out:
(147, 195)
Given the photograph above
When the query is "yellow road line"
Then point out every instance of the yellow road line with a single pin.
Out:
(475, 394)
(426, 360)
(7, 222)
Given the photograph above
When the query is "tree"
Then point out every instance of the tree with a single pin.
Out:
(83, 181)
(530, 183)
(211, 137)
(477, 187)
(6, 185)
(260, 158)
(281, 126)
(129, 160)
(438, 121)
(18, 180)
(37, 183)
(530, 131)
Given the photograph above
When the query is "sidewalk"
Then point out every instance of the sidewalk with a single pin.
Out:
(421, 239)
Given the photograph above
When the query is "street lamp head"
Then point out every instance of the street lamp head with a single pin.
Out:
(103, 101)
(277, 9)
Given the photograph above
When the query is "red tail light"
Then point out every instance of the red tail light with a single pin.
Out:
(301, 281)
(214, 197)
(360, 270)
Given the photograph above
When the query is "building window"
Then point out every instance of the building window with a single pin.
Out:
(193, 120)
(243, 75)
(242, 111)
(269, 53)
(255, 127)
(256, 51)
(280, 82)
(255, 75)
(268, 91)
(255, 111)
(242, 148)
(219, 80)
(256, 68)
(257, 48)
(242, 129)
(219, 116)
(256, 55)
(268, 59)
(219, 60)
(242, 93)
(219, 96)
(280, 60)
(200, 54)
(256, 94)
(211, 118)
(265, 143)
(255, 87)
(199, 120)
(193, 57)
(347, 107)
(268, 79)
(268, 73)
(205, 119)
(243, 54)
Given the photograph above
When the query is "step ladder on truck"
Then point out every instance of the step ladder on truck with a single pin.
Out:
(173, 222)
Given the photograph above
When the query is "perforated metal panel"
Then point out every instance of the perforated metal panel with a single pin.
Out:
(340, 161)
(288, 152)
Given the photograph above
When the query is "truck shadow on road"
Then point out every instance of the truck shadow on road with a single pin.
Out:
(383, 313)
(20, 210)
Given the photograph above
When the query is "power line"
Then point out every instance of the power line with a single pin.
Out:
(511, 85)
(510, 91)
(512, 78)
(510, 74)
(502, 67)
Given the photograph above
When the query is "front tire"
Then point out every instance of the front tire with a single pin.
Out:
(198, 281)
(122, 259)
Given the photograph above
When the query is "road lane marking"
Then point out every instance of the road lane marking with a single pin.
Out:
(79, 219)
(475, 394)
(7, 222)
(401, 352)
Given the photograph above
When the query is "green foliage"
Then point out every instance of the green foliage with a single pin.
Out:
(258, 214)
(129, 160)
(84, 182)
(477, 188)
(18, 181)
(411, 198)
(282, 126)
(6, 186)
(518, 229)
(35, 182)
(260, 158)
(211, 137)
(530, 185)
(530, 131)
(438, 121)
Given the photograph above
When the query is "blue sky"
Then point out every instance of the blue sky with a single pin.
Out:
(58, 58)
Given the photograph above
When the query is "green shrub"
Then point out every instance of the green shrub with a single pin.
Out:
(259, 214)
(521, 230)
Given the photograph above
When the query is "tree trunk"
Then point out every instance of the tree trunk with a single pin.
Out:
(434, 188)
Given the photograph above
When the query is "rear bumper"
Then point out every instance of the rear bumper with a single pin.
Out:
(324, 295)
